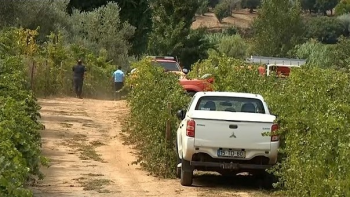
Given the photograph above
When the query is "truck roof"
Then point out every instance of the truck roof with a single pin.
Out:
(230, 94)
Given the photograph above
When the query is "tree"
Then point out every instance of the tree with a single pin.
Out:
(343, 7)
(172, 21)
(278, 27)
(135, 12)
(325, 29)
(222, 10)
(233, 46)
(251, 4)
(203, 7)
(103, 29)
(324, 5)
(309, 5)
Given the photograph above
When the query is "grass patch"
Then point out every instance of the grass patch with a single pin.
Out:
(96, 185)
(92, 174)
(88, 152)
(96, 143)
(66, 125)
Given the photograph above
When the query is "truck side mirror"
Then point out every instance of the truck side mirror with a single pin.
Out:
(181, 114)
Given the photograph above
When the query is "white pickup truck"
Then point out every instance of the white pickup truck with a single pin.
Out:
(223, 132)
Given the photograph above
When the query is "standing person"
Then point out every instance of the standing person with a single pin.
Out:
(262, 69)
(118, 77)
(78, 78)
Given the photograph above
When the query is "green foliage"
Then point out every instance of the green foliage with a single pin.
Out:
(313, 110)
(313, 113)
(203, 7)
(148, 99)
(222, 10)
(171, 24)
(343, 7)
(233, 46)
(278, 27)
(171, 33)
(324, 5)
(308, 5)
(316, 53)
(195, 49)
(345, 20)
(324, 29)
(251, 4)
(135, 12)
(20, 140)
(103, 29)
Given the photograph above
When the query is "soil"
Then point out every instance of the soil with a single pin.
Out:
(83, 142)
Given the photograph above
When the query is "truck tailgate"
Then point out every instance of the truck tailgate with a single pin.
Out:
(232, 130)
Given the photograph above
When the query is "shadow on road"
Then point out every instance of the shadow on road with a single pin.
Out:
(227, 183)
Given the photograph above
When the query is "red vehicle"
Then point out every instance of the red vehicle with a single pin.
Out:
(190, 85)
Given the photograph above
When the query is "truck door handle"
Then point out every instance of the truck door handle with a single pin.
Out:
(233, 126)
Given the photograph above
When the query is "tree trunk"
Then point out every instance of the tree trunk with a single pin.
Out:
(251, 10)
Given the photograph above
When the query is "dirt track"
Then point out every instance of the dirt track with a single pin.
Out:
(87, 156)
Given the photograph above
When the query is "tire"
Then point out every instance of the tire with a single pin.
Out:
(267, 180)
(186, 173)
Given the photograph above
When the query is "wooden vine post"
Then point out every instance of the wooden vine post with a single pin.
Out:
(168, 125)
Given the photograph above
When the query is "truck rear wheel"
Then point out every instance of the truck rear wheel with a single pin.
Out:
(186, 173)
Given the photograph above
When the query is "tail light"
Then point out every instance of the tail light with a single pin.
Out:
(190, 128)
(274, 136)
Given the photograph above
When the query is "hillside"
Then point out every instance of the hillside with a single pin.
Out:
(240, 18)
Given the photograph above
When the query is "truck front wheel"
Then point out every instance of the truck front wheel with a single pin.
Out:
(186, 173)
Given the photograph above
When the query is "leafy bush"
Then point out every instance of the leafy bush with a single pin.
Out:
(278, 28)
(313, 109)
(148, 99)
(316, 53)
(251, 4)
(20, 139)
(222, 10)
(203, 7)
(313, 113)
(324, 29)
(343, 7)
(345, 20)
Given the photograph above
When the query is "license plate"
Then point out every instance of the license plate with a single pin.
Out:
(231, 153)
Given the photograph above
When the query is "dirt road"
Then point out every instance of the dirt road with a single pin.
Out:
(83, 141)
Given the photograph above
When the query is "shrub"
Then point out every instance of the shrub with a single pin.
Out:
(222, 10)
(233, 46)
(343, 7)
(148, 115)
(20, 139)
(324, 29)
(345, 20)
(313, 110)
(316, 53)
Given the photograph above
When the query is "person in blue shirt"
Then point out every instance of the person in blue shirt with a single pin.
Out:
(118, 77)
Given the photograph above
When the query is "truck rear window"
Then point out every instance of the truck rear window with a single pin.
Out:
(232, 104)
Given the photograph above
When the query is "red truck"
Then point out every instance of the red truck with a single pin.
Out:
(190, 85)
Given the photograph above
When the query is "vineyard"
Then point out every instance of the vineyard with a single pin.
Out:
(20, 139)
(312, 109)
(40, 41)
